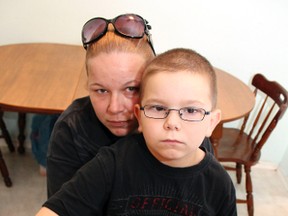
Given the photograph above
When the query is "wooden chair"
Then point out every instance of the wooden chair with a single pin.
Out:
(243, 146)
(6, 136)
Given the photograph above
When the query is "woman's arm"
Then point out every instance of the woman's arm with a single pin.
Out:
(63, 159)
(46, 212)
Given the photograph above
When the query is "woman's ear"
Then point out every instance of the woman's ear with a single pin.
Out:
(214, 120)
(137, 113)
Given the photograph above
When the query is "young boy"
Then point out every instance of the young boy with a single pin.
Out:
(161, 171)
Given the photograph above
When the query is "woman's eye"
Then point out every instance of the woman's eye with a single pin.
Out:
(132, 89)
(131, 92)
(101, 91)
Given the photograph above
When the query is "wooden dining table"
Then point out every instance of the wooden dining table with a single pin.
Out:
(40, 78)
(235, 100)
(45, 78)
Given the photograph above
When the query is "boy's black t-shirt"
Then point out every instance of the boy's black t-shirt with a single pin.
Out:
(125, 179)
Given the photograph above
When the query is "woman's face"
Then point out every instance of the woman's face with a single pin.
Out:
(113, 83)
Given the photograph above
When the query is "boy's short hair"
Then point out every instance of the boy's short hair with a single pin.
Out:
(181, 59)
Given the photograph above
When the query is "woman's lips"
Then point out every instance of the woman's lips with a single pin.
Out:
(118, 123)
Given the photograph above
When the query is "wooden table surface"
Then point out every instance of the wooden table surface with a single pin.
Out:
(46, 78)
(40, 78)
(235, 98)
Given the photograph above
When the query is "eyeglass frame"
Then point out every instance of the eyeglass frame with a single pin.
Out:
(112, 21)
(178, 110)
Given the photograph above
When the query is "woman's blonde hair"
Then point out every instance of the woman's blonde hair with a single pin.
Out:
(112, 42)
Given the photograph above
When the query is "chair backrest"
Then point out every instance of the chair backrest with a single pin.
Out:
(269, 111)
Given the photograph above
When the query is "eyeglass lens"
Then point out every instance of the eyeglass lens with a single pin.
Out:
(130, 25)
(94, 29)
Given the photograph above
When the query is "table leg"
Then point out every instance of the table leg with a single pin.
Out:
(5, 133)
(21, 136)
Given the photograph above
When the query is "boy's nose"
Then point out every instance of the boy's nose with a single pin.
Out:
(172, 121)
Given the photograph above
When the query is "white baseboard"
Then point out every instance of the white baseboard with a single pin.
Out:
(271, 166)
(266, 165)
(283, 177)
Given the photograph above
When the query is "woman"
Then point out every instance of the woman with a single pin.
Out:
(117, 52)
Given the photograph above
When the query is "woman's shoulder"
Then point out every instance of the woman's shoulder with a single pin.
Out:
(79, 104)
(80, 119)
(79, 109)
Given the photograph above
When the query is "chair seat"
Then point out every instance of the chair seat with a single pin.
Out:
(235, 147)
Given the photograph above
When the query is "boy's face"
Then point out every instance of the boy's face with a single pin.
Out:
(172, 140)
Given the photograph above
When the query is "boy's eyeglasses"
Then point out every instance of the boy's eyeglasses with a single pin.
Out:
(126, 25)
(192, 114)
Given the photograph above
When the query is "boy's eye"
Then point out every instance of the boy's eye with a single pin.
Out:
(191, 110)
(158, 108)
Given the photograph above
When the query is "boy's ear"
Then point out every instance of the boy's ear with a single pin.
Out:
(137, 113)
(214, 120)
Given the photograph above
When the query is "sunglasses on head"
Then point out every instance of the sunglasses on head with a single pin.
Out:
(126, 25)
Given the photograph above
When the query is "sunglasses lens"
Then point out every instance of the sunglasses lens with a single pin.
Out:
(93, 29)
(130, 25)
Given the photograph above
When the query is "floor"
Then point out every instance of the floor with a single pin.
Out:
(28, 192)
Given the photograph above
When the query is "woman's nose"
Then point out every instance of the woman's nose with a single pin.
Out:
(116, 103)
